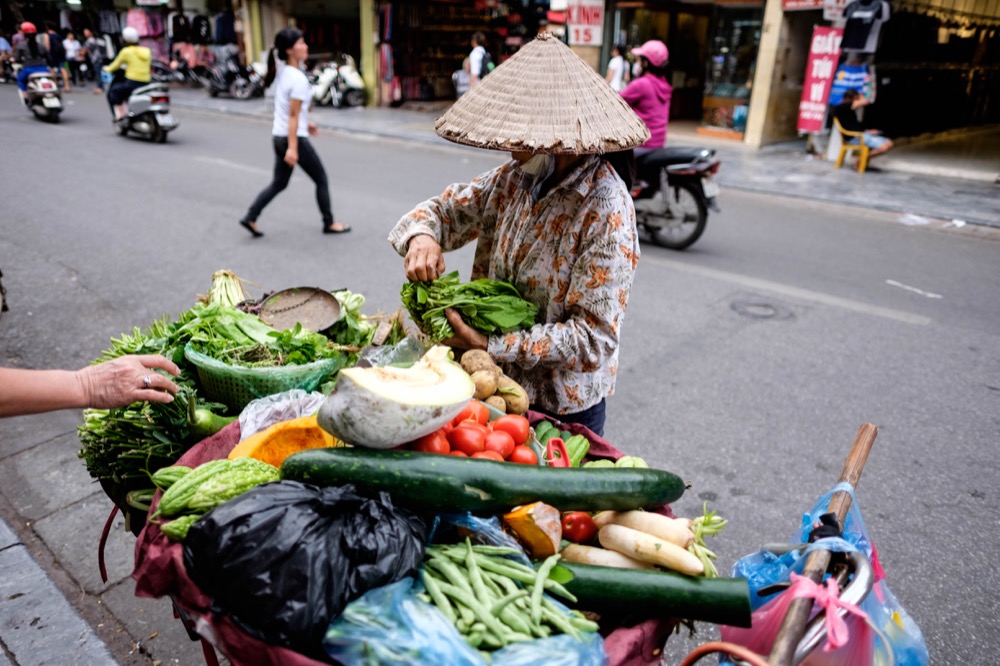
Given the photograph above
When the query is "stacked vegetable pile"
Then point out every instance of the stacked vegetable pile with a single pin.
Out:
(123, 447)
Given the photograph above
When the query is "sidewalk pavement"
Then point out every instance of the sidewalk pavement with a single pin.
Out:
(948, 176)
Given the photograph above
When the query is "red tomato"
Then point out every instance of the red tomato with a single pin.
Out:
(523, 455)
(501, 442)
(516, 426)
(488, 455)
(460, 454)
(435, 442)
(468, 438)
(578, 527)
(474, 411)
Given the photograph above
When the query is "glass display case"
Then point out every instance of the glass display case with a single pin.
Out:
(735, 37)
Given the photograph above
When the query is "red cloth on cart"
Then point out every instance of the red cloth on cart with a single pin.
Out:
(159, 572)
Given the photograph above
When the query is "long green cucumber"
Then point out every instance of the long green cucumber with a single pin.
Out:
(656, 593)
(438, 483)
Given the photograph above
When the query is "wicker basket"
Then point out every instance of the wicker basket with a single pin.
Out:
(236, 386)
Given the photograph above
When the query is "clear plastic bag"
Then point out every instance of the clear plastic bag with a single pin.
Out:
(263, 413)
(889, 636)
(407, 351)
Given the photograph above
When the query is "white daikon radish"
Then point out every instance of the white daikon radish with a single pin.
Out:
(648, 548)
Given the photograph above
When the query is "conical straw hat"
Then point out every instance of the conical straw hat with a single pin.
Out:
(544, 99)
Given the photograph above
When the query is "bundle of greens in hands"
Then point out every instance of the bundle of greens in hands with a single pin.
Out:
(489, 306)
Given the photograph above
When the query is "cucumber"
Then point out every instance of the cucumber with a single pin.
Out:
(646, 593)
(438, 483)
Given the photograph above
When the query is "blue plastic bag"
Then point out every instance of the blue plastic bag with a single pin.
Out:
(899, 641)
(391, 626)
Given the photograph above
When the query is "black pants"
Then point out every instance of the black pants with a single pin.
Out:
(310, 163)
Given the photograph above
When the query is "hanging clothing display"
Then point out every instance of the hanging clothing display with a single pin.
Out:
(864, 22)
(201, 30)
(225, 28)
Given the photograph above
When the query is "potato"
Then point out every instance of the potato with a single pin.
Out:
(513, 394)
(497, 402)
(486, 383)
(477, 359)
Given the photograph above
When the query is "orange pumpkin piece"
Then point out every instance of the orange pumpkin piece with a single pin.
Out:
(281, 440)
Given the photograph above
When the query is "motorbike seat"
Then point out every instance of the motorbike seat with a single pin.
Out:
(663, 157)
(34, 76)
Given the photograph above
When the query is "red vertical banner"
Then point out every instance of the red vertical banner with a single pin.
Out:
(824, 54)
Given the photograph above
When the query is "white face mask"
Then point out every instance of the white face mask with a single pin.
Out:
(539, 166)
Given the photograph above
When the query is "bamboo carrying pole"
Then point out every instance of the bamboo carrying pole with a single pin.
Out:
(797, 616)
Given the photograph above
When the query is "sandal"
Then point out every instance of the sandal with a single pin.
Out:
(249, 226)
(331, 230)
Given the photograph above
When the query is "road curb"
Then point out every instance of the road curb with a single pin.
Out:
(38, 625)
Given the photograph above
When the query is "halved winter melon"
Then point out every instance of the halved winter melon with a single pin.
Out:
(384, 407)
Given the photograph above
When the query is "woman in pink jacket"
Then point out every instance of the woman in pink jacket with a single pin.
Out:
(649, 95)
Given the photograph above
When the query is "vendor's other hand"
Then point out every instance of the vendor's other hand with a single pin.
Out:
(424, 260)
(465, 336)
(127, 379)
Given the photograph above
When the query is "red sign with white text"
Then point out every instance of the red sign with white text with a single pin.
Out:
(824, 54)
(585, 22)
(799, 5)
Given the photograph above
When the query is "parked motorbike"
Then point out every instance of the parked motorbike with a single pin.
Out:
(673, 193)
(233, 78)
(8, 70)
(43, 97)
(148, 113)
(338, 83)
(162, 72)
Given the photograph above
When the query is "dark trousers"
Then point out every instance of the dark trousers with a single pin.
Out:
(119, 91)
(592, 417)
(310, 163)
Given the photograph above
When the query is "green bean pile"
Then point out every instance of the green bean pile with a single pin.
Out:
(493, 600)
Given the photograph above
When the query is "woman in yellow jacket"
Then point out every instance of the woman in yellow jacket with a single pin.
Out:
(137, 61)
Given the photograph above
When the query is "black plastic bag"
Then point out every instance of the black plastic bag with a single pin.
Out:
(283, 559)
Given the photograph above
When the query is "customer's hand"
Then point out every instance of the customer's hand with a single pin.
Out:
(127, 379)
(424, 260)
(465, 336)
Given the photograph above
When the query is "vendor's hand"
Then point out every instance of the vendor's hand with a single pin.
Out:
(292, 157)
(465, 336)
(313, 130)
(424, 260)
(127, 379)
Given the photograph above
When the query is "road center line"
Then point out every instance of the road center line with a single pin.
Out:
(794, 292)
(218, 161)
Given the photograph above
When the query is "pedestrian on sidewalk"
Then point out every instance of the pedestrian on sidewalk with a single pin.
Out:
(291, 130)
(556, 221)
(72, 47)
(847, 113)
(96, 48)
(57, 55)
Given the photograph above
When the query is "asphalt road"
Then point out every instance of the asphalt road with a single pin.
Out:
(748, 362)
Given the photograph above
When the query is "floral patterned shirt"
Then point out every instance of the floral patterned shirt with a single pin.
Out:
(573, 252)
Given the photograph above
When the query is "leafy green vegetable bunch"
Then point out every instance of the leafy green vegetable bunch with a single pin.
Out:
(489, 306)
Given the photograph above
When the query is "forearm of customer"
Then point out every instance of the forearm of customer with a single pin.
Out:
(36, 391)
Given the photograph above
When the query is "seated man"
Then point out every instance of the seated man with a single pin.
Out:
(846, 114)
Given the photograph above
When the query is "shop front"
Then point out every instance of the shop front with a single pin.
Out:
(926, 66)
(420, 44)
(713, 55)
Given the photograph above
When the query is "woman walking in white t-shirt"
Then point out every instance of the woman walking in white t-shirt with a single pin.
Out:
(616, 68)
(291, 130)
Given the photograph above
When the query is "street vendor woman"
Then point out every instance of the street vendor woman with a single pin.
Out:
(556, 221)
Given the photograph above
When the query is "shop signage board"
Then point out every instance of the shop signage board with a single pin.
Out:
(833, 10)
(824, 54)
(585, 22)
(801, 5)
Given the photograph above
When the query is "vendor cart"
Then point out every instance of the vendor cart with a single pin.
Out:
(160, 572)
